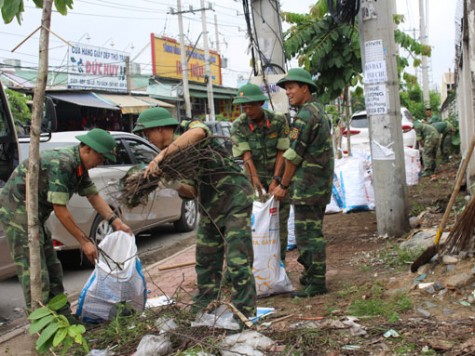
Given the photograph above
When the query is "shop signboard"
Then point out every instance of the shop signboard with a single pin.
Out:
(91, 67)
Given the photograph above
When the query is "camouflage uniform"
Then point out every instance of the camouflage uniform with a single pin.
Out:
(429, 135)
(312, 152)
(264, 142)
(224, 231)
(445, 131)
(61, 175)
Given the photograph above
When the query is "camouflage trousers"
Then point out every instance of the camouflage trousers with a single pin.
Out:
(310, 241)
(429, 156)
(51, 269)
(227, 236)
(284, 210)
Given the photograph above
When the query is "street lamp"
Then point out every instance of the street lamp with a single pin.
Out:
(131, 45)
(111, 43)
(85, 35)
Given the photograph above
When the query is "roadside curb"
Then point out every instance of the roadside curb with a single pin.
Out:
(22, 329)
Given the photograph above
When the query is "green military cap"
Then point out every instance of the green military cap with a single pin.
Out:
(154, 117)
(298, 75)
(417, 124)
(100, 141)
(249, 93)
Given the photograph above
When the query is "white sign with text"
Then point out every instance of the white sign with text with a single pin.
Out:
(91, 67)
(375, 98)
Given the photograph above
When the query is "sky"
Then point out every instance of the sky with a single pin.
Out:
(126, 26)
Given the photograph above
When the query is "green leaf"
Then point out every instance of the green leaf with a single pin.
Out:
(39, 313)
(39, 324)
(47, 335)
(38, 3)
(58, 302)
(62, 6)
(59, 337)
(11, 9)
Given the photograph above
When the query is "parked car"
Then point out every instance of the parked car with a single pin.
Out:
(8, 162)
(359, 131)
(163, 206)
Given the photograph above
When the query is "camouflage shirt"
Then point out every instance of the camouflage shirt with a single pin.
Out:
(312, 152)
(61, 175)
(262, 141)
(427, 133)
(220, 180)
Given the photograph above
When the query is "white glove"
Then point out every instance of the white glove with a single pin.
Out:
(170, 184)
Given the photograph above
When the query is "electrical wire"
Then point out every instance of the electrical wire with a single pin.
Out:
(344, 11)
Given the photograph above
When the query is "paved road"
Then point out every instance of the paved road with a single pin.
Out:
(153, 246)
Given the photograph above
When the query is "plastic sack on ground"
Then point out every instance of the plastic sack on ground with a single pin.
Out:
(350, 184)
(269, 272)
(116, 279)
(412, 162)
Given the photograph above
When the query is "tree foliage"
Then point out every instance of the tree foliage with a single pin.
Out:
(15, 8)
(18, 103)
(331, 51)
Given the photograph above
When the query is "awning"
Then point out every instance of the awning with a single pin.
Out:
(82, 99)
(155, 102)
(128, 104)
(203, 94)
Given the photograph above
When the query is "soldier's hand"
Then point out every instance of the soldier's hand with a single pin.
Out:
(152, 169)
(272, 186)
(90, 251)
(119, 225)
(279, 193)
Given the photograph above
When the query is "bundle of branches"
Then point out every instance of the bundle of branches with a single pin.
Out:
(461, 237)
(189, 163)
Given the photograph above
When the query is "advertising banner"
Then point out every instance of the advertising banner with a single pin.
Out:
(166, 61)
(91, 67)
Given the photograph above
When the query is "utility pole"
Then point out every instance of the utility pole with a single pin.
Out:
(216, 33)
(268, 28)
(381, 87)
(269, 48)
(209, 79)
(184, 63)
(423, 40)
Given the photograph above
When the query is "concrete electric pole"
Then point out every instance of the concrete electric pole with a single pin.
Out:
(423, 40)
(268, 33)
(184, 63)
(381, 87)
(209, 78)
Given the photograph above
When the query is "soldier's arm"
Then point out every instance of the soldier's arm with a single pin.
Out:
(278, 170)
(190, 137)
(101, 206)
(281, 190)
(251, 170)
(64, 216)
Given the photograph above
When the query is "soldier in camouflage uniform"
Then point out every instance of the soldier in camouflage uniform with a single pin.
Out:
(225, 197)
(446, 131)
(63, 172)
(428, 138)
(309, 167)
(260, 138)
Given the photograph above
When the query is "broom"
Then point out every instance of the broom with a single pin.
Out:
(461, 237)
(431, 251)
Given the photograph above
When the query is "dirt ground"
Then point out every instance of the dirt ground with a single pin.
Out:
(360, 267)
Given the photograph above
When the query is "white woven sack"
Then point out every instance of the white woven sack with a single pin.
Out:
(116, 278)
(269, 271)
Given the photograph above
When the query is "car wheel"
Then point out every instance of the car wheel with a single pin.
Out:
(189, 215)
(100, 229)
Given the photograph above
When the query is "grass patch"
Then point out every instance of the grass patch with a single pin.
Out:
(375, 306)
(399, 258)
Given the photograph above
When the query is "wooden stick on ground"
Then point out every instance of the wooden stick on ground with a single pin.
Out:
(178, 265)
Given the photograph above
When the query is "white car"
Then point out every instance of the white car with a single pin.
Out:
(164, 205)
(359, 131)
